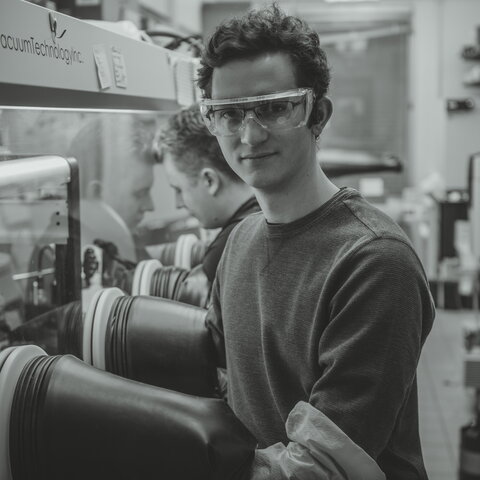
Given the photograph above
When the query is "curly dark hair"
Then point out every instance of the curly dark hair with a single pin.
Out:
(268, 30)
(191, 144)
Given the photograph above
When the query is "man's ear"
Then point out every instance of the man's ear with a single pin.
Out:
(211, 180)
(324, 109)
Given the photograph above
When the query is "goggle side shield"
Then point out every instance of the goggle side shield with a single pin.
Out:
(276, 111)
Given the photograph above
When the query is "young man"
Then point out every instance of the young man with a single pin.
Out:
(320, 306)
(202, 180)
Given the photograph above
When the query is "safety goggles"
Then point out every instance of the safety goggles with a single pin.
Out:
(276, 111)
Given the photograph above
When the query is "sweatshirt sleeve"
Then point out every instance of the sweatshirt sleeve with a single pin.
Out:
(214, 319)
(380, 314)
(215, 325)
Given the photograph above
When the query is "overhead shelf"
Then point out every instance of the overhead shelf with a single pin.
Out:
(51, 60)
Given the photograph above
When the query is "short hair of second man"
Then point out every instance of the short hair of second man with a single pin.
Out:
(191, 145)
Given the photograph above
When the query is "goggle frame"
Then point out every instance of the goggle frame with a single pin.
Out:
(207, 104)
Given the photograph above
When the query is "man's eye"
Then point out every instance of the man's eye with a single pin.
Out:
(229, 114)
(278, 107)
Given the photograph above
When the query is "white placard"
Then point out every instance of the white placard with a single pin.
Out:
(119, 68)
(103, 70)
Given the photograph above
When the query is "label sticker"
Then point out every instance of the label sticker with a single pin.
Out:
(119, 68)
(103, 70)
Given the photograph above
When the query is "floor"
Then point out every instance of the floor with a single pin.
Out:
(444, 402)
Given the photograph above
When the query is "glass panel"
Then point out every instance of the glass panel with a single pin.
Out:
(126, 207)
(37, 239)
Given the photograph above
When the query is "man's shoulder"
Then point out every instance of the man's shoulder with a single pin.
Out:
(253, 221)
(375, 222)
(246, 231)
(358, 227)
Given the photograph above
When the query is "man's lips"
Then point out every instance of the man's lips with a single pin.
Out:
(256, 156)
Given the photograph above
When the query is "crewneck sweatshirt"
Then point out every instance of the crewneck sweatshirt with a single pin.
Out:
(331, 309)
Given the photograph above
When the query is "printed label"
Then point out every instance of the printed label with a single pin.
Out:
(103, 71)
(119, 68)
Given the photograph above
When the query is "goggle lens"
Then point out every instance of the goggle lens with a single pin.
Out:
(226, 118)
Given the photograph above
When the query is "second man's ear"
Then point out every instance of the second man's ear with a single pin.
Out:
(323, 111)
(211, 180)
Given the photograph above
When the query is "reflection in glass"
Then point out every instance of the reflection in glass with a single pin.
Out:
(39, 241)
(57, 331)
(126, 207)
(116, 177)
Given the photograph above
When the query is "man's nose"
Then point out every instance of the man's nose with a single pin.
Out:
(252, 132)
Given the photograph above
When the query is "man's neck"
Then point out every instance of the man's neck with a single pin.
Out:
(301, 196)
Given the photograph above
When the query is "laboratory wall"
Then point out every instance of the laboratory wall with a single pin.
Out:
(439, 142)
